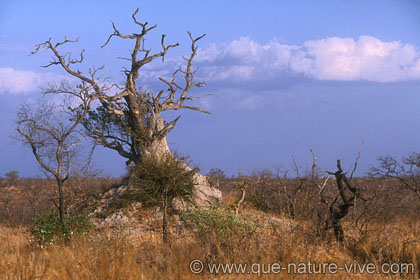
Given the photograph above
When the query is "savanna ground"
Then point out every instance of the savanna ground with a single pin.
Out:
(280, 221)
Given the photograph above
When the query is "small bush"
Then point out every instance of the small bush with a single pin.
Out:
(219, 223)
(162, 179)
(12, 177)
(215, 176)
(158, 180)
(48, 229)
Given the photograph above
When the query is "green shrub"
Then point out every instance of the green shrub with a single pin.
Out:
(159, 180)
(218, 223)
(48, 228)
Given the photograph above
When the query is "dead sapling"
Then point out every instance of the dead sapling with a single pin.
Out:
(242, 184)
(339, 205)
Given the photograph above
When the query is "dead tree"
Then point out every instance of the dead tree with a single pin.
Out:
(128, 120)
(291, 193)
(243, 184)
(338, 206)
(405, 172)
(12, 177)
(50, 130)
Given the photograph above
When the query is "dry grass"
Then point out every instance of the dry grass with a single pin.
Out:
(391, 234)
(112, 255)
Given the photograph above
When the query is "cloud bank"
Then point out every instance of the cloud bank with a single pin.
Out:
(337, 59)
(21, 81)
(244, 60)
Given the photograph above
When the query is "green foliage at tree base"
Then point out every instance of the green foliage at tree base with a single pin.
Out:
(219, 223)
(157, 180)
(48, 229)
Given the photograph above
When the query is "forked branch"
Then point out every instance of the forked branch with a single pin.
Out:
(313, 175)
(356, 161)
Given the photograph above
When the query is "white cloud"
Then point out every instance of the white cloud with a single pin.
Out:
(340, 59)
(251, 103)
(22, 81)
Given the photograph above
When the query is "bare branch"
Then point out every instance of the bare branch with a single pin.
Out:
(194, 108)
(118, 34)
(356, 161)
(33, 145)
(320, 186)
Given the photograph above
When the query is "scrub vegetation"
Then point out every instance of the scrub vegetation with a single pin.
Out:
(280, 220)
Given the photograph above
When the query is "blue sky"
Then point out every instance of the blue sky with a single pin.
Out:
(286, 76)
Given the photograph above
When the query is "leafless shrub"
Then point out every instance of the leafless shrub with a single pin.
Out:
(405, 173)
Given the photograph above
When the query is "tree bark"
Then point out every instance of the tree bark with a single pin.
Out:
(60, 184)
(158, 147)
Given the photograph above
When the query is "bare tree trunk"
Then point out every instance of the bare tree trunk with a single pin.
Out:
(165, 217)
(338, 232)
(239, 202)
(7, 205)
(60, 184)
(290, 203)
(158, 147)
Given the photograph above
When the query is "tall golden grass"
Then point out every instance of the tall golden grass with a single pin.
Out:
(115, 255)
